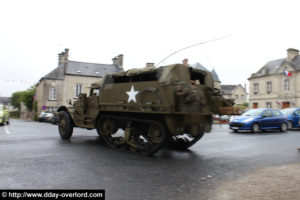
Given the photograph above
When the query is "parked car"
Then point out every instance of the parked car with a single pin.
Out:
(293, 115)
(260, 119)
(55, 119)
(45, 116)
(4, 115)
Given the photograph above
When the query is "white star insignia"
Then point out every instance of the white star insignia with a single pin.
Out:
(132, 94)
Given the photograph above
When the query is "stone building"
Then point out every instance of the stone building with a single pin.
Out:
(277, 83)
(236, 92)
(69, 79)
(217, 82)
(6, 102)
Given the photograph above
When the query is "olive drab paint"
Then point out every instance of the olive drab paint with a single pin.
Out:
(149, 108)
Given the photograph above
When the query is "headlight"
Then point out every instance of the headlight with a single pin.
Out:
(248, 120)
(232, 118)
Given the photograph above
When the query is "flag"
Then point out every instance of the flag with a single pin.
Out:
(287, 73)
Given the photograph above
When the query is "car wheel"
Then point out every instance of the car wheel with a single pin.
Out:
(236, 131)
(255, 128)
(283, 127)
(65, 126)
(290, 125)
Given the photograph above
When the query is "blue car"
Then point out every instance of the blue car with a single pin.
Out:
(260, 119)
(293, 115)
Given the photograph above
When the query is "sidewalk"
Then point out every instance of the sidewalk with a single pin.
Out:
(274, 183)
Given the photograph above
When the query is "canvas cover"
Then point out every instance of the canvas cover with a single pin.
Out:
(164, 74)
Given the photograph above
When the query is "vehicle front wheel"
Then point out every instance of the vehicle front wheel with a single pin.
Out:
(283, 127)
(290, 125)
(65, 126)
(255, 128)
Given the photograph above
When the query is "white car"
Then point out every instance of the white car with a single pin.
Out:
(45, 116)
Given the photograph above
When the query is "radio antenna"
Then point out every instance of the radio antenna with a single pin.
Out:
(220, 38)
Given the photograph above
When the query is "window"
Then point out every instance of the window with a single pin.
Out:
(286, 105)
(255, 105)
(267, 113)
(276, 113)
(243, 97)
(52, 109)
(269, 87)
(78, 89)
(269, 104)
(256, 88)
(95, 92)
(52, 94)
(286, 85)
(236, 96)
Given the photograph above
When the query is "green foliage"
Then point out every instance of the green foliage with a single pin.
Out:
(16, 99)
(246, 105)
(14, 114)
(28, 99)
(23, 96)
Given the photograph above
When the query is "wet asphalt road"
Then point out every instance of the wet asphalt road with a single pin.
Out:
(32, 156)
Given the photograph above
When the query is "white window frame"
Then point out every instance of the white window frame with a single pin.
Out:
(269, 87)
(286, 85)
(78, 89)
(52, 93)
(256, 88)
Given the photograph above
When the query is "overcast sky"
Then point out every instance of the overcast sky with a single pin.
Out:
(32, 33)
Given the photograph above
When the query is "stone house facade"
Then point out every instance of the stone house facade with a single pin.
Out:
(6, 102)
(276, 84)
(236, 92)
(217, 82)
(69, 79)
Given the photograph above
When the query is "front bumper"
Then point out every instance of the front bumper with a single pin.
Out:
(239, 126)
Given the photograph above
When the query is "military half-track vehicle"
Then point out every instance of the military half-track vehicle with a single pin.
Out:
(144, 110)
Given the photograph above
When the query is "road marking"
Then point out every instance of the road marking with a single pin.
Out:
(6, 130)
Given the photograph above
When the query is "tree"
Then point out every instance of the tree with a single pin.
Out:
(28, 98)
(16, 99)
(23, 96)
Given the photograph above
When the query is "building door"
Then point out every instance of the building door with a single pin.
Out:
(255, 105)
(285, 105)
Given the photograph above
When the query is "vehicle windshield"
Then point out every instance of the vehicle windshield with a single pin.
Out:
(288, 111)
(254, 112)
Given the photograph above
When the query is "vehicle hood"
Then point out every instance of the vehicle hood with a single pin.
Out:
(242, 118)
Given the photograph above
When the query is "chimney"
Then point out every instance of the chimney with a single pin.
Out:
(118, 60)
(60, 58)
(121, 57)
(292, 53)
(66, 54)
(63, 57)
(150, 65)
(185, 62)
